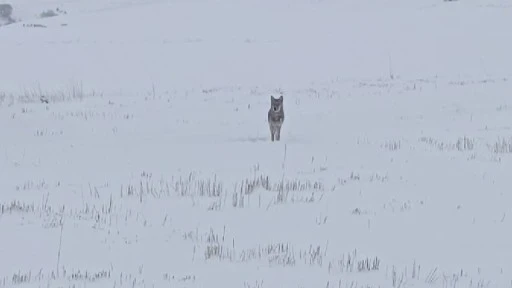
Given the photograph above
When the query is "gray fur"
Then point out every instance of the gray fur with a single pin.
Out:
(275, 117)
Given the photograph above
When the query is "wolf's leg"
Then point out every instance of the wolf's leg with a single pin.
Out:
(278, 133)
(271, 133)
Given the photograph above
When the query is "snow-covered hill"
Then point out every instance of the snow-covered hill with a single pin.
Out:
(135, 152)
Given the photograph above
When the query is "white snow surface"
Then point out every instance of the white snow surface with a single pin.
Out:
(135, 149)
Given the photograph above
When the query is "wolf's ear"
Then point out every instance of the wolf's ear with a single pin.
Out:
(281, 98)
(272, 97)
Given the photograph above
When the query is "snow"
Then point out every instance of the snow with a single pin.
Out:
(150, 165)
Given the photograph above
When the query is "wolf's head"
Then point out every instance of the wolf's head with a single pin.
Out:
(276, 104)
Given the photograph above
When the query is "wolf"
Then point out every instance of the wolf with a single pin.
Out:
(275, 117)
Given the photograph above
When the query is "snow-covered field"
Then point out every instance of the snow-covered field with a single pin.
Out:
(135, 152)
